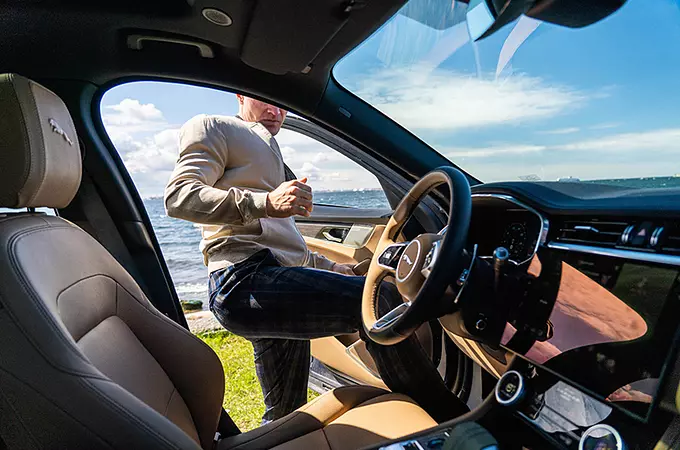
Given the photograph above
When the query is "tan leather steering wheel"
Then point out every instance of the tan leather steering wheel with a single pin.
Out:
(423, 267)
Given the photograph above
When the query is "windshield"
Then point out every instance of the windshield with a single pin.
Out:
(534, 101)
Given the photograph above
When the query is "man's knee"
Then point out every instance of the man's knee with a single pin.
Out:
(233, 317)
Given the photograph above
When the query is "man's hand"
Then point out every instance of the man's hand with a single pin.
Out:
(344, 269)
(289, 199)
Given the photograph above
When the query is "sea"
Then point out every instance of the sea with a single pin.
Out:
(179, 239)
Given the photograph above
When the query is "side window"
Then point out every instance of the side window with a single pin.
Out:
(335, 179)
(143, 120)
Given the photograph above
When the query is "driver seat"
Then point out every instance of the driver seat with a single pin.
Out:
(86, 361)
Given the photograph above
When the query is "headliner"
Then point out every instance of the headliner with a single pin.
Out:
(264, 52)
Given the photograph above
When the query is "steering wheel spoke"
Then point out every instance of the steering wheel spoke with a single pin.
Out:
(389, 258)
(391, 316)
(431, 258)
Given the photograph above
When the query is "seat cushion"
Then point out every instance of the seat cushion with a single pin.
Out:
(345, 418)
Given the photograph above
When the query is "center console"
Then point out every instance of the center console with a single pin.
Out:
(464, 436)
(531, 408)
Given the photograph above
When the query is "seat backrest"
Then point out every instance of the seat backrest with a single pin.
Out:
(85, 360)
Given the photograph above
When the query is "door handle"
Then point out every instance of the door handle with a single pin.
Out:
(362, 267)
(330, 237)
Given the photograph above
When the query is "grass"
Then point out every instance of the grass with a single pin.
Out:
(243, 398)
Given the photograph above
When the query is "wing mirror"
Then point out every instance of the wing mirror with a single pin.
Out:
(485, 17)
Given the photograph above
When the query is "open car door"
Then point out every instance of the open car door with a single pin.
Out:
(349, 235)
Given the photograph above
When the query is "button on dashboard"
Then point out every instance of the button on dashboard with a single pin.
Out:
(510, 388)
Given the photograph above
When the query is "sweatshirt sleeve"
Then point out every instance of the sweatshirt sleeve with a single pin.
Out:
(190, 194)
(318, 261)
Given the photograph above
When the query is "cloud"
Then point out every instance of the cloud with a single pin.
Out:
(132, 116)
(661, 141)
(288, 152)
(497, 150)
(157, 153)
(294, 139)
(130, 112)
(310, 171)
(321, 157)
(604, 126)
(658, 140)
(446, 100)
(621, 155)
(562, 131)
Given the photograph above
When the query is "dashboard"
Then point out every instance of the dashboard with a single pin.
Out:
(597, 351)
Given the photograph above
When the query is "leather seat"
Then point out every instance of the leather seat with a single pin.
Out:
(85, 360)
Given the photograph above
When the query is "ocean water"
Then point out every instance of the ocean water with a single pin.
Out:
(643, 183)
(179, 239)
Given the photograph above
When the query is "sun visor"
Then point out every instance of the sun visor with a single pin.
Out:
(287, 36)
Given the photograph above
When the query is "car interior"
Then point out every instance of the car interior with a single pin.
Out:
(550, 307)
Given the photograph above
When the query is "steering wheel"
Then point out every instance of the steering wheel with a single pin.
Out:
(424, 267)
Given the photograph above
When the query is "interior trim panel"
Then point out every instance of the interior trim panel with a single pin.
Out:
(618, 253)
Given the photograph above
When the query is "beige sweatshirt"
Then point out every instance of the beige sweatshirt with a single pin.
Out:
(225, 169)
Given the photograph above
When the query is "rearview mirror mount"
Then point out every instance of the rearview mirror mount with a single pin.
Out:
(485, 17)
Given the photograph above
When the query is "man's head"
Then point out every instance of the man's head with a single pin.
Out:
(270, 116)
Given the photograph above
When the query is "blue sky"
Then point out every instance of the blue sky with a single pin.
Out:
(593, 103)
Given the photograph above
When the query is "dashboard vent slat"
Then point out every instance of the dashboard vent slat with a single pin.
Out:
(647, 235)
(591, 231)
(670, 240)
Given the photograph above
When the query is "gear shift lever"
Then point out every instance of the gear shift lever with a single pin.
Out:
(500, 258)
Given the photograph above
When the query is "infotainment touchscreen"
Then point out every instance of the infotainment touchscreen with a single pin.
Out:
(610, 329)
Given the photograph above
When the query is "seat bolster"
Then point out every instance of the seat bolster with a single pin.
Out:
(388, 416)
(313, 416)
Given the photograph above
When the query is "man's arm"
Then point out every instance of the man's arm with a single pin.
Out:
(190, 194)
(319, 261)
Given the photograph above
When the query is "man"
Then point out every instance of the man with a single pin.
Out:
(265, 284)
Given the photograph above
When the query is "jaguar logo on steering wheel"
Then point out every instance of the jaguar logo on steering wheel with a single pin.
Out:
(407, 259)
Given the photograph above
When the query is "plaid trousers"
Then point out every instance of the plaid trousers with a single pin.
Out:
(279, 309)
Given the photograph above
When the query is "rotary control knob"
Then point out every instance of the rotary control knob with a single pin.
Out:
(601, 436)
(510, 388)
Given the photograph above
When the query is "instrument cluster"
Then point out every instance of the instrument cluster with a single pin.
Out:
(499, 221)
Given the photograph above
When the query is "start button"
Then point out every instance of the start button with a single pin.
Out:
(510, 388)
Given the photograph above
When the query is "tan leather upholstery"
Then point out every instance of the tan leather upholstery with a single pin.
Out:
(83, 343)
(37, 138)
(345, 418)
(87, 362)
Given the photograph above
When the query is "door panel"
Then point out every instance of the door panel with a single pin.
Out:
(335, 355)
(347, 254)
(347, 236)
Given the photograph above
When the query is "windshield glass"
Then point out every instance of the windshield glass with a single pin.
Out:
(534, 101)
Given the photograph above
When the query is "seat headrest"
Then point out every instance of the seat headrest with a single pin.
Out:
(40, 162)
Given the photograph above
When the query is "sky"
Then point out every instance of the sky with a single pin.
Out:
(533, 101)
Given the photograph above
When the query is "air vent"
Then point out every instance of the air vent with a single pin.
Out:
(592, 231)
(632, 234)
(669, 238)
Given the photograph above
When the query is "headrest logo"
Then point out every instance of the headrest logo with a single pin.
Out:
(57, 129)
